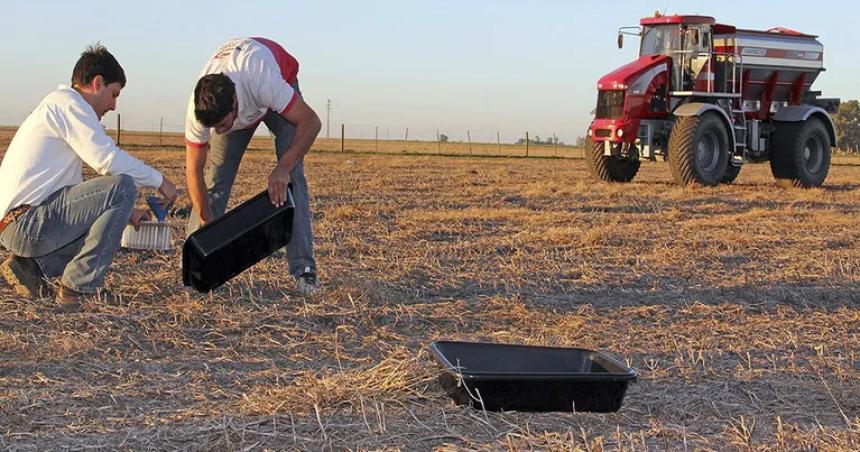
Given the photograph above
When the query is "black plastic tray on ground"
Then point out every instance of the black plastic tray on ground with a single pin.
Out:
(236, 241)
(498, 377)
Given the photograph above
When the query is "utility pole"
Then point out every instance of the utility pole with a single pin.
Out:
(327, 116)
(118, 128)
(499, 143)
(161, 132)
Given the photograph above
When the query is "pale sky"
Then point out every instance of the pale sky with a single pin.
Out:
(450, 65)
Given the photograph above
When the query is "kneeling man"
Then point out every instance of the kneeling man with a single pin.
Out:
(54, 223)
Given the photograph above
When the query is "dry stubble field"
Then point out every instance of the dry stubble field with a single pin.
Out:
(738, 305)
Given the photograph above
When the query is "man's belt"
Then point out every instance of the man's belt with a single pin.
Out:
(13, 215)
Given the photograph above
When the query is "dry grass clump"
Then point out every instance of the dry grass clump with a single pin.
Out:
(399, 375)
(738, 306)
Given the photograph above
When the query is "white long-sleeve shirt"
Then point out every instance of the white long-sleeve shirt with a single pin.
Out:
(51, 145)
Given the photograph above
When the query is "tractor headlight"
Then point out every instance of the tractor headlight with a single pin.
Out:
(619, 133)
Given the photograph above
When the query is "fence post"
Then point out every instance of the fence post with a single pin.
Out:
(376, 138)
(499, 143)
(527, 143)
(118, 128)
(438, 143)
(554, 146)
(406, 137)
(161, 132)
(469, 137)
(342, 132)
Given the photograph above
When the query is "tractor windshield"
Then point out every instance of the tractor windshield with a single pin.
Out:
(660, 40)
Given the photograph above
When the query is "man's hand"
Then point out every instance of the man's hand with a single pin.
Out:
(138, 216)
(168, 191)
(205, 216)
(278, 181)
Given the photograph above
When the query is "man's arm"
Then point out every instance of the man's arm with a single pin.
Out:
(308, 125)
(84, 133)
(81, 129)
(195, 160)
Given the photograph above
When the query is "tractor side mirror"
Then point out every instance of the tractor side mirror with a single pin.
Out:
(620, 40)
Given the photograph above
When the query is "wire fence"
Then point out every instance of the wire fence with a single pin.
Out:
(363, 138)
(146, 132)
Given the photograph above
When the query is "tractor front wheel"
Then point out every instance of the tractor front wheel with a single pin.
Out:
(610, 168)
(698, 150)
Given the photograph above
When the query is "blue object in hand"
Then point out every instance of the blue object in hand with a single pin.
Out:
(156, 206)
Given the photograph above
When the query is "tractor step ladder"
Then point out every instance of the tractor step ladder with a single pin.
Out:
(739, 123)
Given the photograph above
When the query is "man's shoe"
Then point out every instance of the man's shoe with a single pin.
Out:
(23, 274)
(70, 300)
(306, 283)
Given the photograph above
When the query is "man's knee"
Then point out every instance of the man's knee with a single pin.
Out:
(125, 190)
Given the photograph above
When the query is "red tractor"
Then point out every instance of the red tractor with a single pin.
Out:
(708, 97)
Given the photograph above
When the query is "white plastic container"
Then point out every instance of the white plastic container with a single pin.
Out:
(151, 235)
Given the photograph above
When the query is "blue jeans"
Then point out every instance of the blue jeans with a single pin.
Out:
(76, 232)
(222, 164)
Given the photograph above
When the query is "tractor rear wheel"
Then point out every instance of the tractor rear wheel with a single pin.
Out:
(698, 150)
(610, 168)
(800, 154)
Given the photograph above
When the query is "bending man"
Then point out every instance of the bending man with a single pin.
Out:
(248, 81)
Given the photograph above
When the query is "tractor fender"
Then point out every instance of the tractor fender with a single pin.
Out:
(801, 113)
(700, 108)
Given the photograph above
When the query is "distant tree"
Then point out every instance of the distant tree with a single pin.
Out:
(583, 142)
(847, 122)
(538, 141)
(443, 138)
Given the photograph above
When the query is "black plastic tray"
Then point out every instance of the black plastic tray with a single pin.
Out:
(236, 241)
(498, 377)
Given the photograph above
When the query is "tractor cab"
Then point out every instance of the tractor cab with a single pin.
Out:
(688, 41)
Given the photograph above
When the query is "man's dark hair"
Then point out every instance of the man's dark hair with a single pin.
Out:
(213, 99)
(96, 60)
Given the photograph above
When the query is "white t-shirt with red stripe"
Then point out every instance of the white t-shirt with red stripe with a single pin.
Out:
(263, 73)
